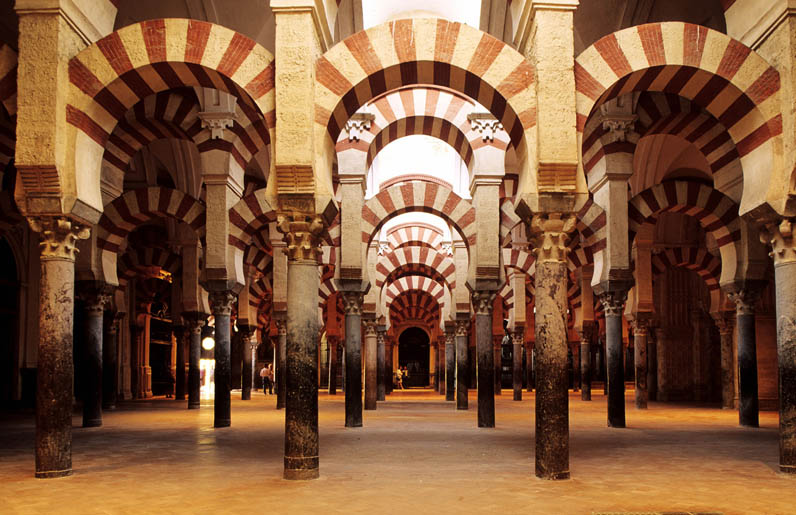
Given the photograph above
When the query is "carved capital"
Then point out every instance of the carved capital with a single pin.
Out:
(462, 326)
(216, 122)
(485, 124)
(613, 302)
(302, 236)
(518, 336)
(58, 236)
(221, 302)
(194, 321)
(618, 128)
(95, 296)
(745, 300)
(352, 302)
(641, 326)
(779, 236)
(358, 123)
(549, 234)
(483, 301)
(450, 337)
(370, 327)
(281, 326)
(725, 322)
(380, 336)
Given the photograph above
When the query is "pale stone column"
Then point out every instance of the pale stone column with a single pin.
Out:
(745, 299)
(549, 234)
(95, 297)
(281, 361)
(482, 305)
(517, 337)
(246, 333)
(613, 305)
(332, 342)
(371, 364)
(301, 387)
(380, 359)
(461, 364)
(110, 361)
(54, 379)
(640, 332)
(352, 304)
(780, 237)
(194, 321)
(726, 326)
(221, 304)
(450, 363)
(585, 361)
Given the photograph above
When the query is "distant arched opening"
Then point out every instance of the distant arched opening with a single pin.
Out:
(413, 353)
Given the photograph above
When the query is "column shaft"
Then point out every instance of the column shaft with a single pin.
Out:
(281, 365)
(747, 371)
(726, 330)
(785, 279)
(179, 374)
(486, 365)
(615, 379)
(92, 361)
(248, 364)
(516, 356)
(461, 365)
(195, 323)
(585, 369)
(110, 364)
(640, 362)
(221, 303)
(353, 359)
(381, 367)
(333, 366)
(371, 366)
(497, 363)
(450, 367)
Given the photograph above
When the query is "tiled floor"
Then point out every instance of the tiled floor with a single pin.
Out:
(416, 454)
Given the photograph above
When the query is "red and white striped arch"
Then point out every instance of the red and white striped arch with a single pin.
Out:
(418, 196)
(247, 217)
(414, 282)
(715, 212)
(134, 260)
(730, 81)
(426, 51)
(409, 259)
(416, 234)
(705, 264)
(415, 308)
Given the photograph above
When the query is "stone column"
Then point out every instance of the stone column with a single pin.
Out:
(110, 362)
(745, 299)
(549, 235)
(652, 365)
(332, 342)
(450, 364)
(246, 333)
(352, 304)
(179, 373)
(575, 349)
(461, 364)
(95, 296)
(613, 305)
(640, 332)
(194, 321)
(497, 362)
(482, 304)
(780, 237)
(302, 325)
(371, 365)
(281, 358)
(585, 362)
(381, 365)
(529, 367)
(726, 326)
(389, 372)
(55, 369)
(516, 355)
(221, 304)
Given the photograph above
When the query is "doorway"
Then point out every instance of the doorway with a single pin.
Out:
(413, 353)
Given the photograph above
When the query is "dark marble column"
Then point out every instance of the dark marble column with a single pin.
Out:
(179, 373)
(461, 363)
(549, 235)
(640, 332)
(281, 362)
(585, 362)
(55, 369)
(482, 305)
(110, 362)
(303, 327)
(332, 342)
(388, 365)
(371, 365)
(194, 321)
(221, 304)
(352, 303)
(613, 305)
(497, 362)
(246, 332)
(529, 367)
(745, 300)
(441, 366)
(95, 296)
(381, 364)
(450, 364)
(726, 325)
(575, 349)
(516, 361)
(780, 237)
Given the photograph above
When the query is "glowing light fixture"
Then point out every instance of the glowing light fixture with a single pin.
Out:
(208, 343)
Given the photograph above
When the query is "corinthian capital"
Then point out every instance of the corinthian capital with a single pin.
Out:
(461, 327)
(95, 295)
(221, 302)
(780, 237)
(549, 234)
(745, 299)
(58, 236)
(302, 236)
(352, 302)
(613, 302)
(483, 301)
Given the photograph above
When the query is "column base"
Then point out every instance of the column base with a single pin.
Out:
(787, 469)
(301, 468)
(193, 406)
(53, 473)
(553, 476)
(109, 407)
(518, 395)
(222, 423)
(94, 422)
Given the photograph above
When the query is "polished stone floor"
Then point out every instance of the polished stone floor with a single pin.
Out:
(416, 454)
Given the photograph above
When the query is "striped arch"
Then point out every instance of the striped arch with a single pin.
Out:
(416, 234)
(247, 217)
(418, 196)
(416, 307)
(257, 258)
(715, 212)
(590, 224)
(8, 79)
(705, 264)
(525, 261)
(730, 81)
(414, 282)
(137, 61)
(134, 259)
(426, 51)
(408, 259)
(508, 220)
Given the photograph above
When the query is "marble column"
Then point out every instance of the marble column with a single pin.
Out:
(110, 362)
(55, 369)
(613, 305)
(179, 373)
(194, 321)
(450, 365)
(388, 370)
(726, 326)
(221, 304)
(482, 305)
(441, 365)
(780, 237)
(497, 362)
(461, 364)
(281, 362)
(748, 409)
(575, 349)
(246, 333)
(549, 234)
(516, 356)
(332, 342)
(301, 360)
(352, 304)
(529, 367)
(585, 363)
(371, 365)
(640, 332)
(95, 296)
(381, 364)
